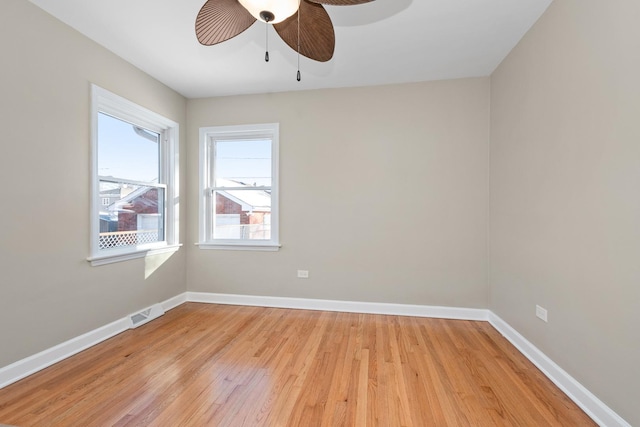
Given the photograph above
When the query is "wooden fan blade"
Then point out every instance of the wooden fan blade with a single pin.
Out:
(317, 39)
(220, 20)
(340, 2)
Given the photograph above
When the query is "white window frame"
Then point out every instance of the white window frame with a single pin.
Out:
(103, 101)
(208, 136)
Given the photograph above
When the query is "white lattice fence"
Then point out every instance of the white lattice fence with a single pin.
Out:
(127, 238)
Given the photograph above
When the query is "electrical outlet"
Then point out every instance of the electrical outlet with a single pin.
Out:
(303, 274)
(541, 313)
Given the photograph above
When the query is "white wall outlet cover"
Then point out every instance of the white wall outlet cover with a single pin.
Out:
(541, 313)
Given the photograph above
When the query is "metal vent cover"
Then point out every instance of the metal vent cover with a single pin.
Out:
(145, 316)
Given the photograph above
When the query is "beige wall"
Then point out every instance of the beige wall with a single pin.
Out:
(565, 200)
(48, 291)
(383, 195)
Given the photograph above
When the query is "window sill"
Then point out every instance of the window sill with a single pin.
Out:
(112, 258)
(271, 247)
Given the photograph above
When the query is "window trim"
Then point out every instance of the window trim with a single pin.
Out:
(207, 136)
(103, 101)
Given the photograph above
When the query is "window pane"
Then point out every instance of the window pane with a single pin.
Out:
(242, 162)
(134, 215)
(242, 214)
(126, 151)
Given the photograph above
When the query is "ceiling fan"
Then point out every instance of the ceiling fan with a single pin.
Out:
(304, 25)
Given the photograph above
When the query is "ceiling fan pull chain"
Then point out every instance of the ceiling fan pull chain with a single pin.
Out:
(266, 53)
(298, 76)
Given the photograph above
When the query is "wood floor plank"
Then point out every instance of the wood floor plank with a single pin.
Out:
(217, 365)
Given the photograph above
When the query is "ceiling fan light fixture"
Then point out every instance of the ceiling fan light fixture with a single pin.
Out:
(271, 11)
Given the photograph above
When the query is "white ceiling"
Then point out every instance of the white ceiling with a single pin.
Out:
(385, 41)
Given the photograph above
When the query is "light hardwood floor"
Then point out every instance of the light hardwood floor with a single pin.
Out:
(215, 365)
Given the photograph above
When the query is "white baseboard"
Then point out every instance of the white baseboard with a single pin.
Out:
(32, 364)
(594, 407)
(342, 306)
(587, 401)
(172, 303)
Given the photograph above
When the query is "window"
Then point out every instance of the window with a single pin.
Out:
(134, 168)
(239, 187)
